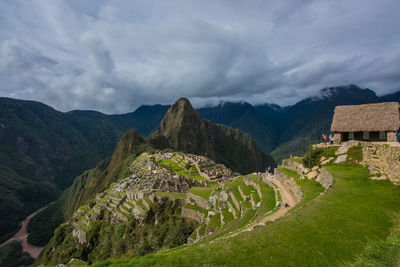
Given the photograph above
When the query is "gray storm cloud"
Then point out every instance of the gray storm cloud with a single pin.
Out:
(113, 56)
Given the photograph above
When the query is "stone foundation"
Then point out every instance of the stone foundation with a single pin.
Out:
(391, 136)
(337, 138)
(382, 159)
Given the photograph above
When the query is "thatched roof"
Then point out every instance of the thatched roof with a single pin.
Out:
(369, 118)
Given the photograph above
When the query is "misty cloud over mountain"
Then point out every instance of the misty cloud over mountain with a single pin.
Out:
(114, 56)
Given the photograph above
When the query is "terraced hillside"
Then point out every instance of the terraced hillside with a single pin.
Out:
(173, 198)
(342, 218)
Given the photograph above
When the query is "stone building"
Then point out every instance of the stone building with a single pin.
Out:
(369, 122)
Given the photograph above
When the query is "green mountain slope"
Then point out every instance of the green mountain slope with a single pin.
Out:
(260, 124)
(42, 150)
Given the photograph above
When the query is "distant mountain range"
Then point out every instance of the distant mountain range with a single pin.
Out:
(42, 150)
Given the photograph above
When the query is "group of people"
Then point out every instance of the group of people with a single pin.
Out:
(327, 139)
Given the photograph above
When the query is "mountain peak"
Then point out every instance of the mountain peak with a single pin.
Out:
(184, 129)
(182, 103)
(180, 114)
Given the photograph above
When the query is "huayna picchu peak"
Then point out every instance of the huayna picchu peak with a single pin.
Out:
(185, 130)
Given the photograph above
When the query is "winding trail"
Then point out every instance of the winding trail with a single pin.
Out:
(22, 235)
(287, 197)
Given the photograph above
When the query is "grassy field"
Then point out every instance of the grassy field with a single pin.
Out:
(204, 192)
(352, 223)
(173, 166)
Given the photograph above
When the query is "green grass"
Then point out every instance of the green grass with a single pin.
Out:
(340, 226)
(256, 197)
(204, 192)
(173, 166)
(141, 205)
(215, 221)
(298, 160)
(330, 151)
(383, 252)
(247, 189)
(234, 188)
(234, 207)
(227, 215)
(195, 207)
(289, 173)
(355, 154)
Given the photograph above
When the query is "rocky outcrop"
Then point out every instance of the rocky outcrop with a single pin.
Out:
(289, 183)
(325, 178)
(382, 159)
(341, 158)
(345, 147)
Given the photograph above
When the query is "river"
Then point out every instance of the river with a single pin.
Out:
(22, 235)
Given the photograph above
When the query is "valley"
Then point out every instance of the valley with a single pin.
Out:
(193, 187)
(22, 236)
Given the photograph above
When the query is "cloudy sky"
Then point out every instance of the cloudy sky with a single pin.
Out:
(114, 56)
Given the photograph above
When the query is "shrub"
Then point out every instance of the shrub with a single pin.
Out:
(312, 157)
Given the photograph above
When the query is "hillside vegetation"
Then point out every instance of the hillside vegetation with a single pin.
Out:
(176, 131)
(354, 223)
(42, 150)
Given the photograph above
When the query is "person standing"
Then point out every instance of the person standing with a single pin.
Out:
(331, 139)
(325, 139)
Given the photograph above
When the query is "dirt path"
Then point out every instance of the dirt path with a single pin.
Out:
(287, 197)
(22, 235)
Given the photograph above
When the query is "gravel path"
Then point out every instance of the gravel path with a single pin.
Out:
(287, 197)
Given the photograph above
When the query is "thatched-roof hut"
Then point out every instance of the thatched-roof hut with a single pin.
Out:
(369, 122)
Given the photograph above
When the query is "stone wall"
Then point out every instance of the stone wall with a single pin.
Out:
(234, 200)
(382, 159)
(193, 215)
(250, 182)
(198, 200)
(295, 166)
(289, 183)
(337, 138)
